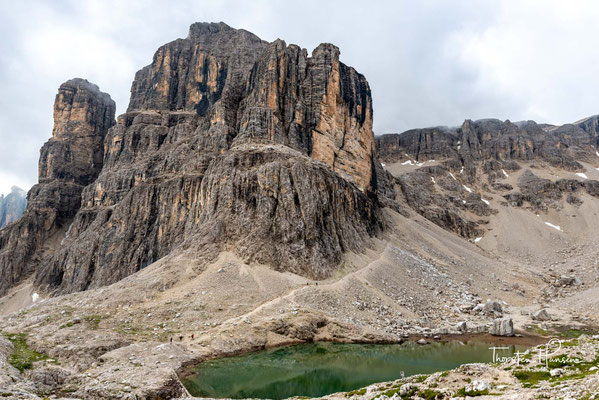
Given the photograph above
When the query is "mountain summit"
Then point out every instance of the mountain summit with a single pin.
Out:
(228, 143)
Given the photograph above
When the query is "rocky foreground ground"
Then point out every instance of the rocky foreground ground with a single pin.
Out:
(569, 371)
(562, 369)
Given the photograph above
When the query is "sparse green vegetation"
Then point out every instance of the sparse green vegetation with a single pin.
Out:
(472, 393)
(430, 394)
(530, 378)
(93, 321)
(390, 393)
(359, 392)
(23, 357)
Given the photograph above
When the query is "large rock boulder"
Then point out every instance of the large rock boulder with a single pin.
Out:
(502, 327)
(541, 315)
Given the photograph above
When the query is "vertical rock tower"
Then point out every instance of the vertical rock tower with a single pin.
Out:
(69, 161)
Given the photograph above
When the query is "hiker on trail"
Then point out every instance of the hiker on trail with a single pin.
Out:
(171, 340)
(180, 338)
(192, 335)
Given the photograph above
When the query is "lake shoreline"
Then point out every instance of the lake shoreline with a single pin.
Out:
(471, 339)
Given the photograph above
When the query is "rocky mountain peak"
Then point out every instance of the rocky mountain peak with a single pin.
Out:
(229, 143)
(17, 190)
(12, 206)
(82, 116)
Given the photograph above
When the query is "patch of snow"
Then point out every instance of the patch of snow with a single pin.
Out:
(597, 169)
(433, 179)
(35, 297)
(505, 173)
(477, 239)
(553, 226)
(459, 147)
(409, 162)
(467, 189)
(597, 152)
(582, 175)
(485, 201)
(420, 164)
(383, 164)
(462, 170)
(456, 179)
(464, 201)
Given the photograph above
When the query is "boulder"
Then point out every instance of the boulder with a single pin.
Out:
(568, 280)
(541, 315)
(492, 308)
(478, 386)
(406, 389)
(502, 327)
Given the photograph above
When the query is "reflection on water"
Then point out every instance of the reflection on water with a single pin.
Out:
(318, 369)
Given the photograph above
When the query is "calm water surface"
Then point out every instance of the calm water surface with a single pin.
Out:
(318, 369)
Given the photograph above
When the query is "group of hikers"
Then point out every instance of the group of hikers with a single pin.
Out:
(181, 337)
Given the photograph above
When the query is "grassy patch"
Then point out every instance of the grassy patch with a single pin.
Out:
(569, 333)
(537, 330)
(472, 393)
(429, 394)
(390, 393)
(359, 392)
(93, 321)
(565, 362)
(23, 357)
(530, 378)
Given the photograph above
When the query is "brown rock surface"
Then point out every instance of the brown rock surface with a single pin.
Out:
(69, 161)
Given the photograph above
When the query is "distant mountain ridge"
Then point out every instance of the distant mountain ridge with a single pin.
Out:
(12, 206)
(445, 172)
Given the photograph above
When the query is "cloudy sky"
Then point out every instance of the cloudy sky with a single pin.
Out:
(428, 62)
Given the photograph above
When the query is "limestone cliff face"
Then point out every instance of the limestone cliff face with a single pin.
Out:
(69, 161)
(494, 143)
(481, 153)
(228, 143)
(12, 206)
(252, 91)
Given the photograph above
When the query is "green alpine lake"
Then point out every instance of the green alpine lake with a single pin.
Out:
(318, 369)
